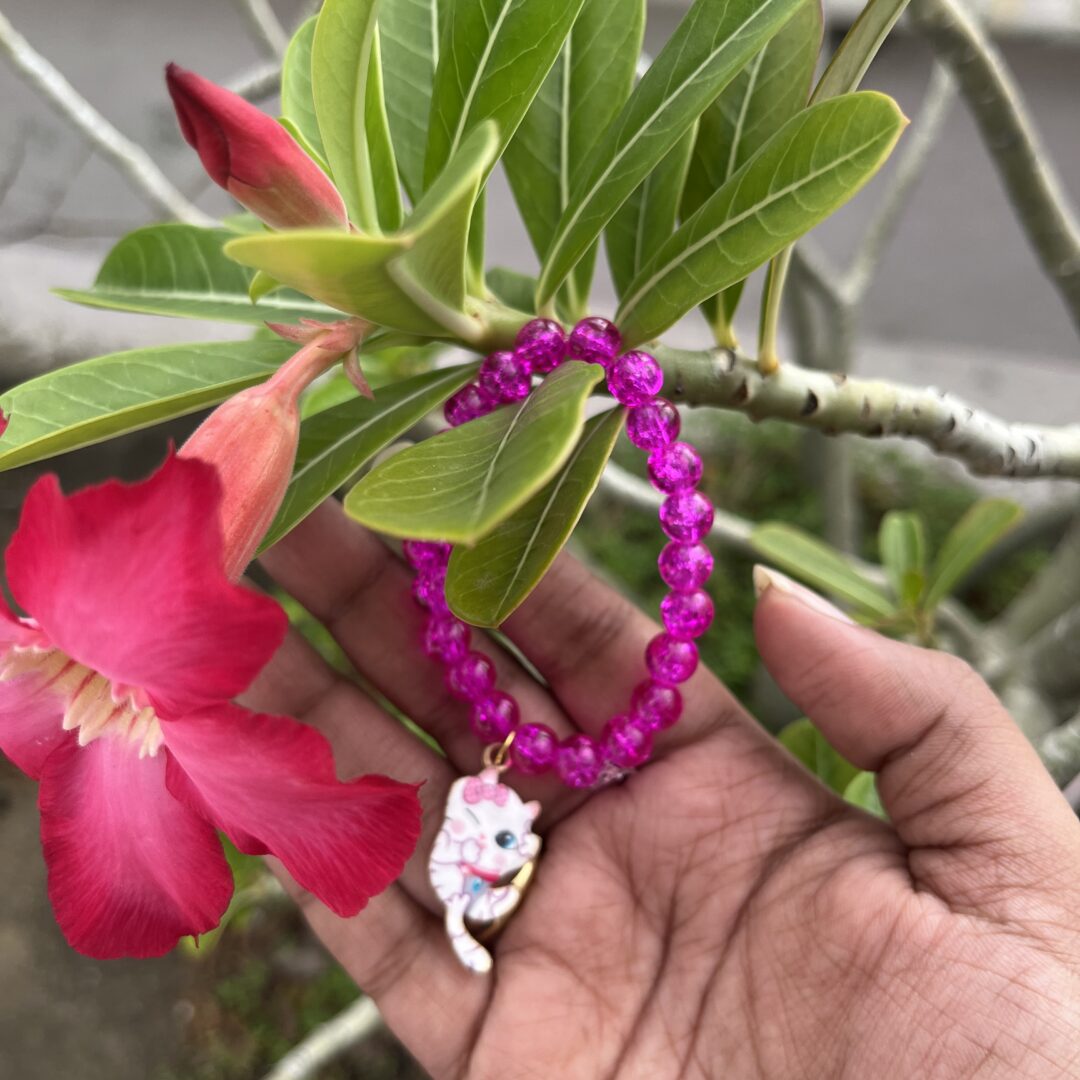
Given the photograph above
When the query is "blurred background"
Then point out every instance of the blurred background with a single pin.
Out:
(958, 302)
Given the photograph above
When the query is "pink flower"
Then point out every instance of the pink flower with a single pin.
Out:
(252, 156)
(115, 696)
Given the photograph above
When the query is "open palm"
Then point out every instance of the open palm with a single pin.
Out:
(719, 913)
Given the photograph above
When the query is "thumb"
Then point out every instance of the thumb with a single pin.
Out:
(962, 786)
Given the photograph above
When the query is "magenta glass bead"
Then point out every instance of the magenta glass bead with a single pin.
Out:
(675, 467)
(494, 717)
(596, 341)
(580, 761)
(656, 705)
(687, 615)
(429, 589)
(653, 425)
(446, 638)
(541, 344)
(685, 566)
(627, 741)
(425, 554)
(635, 378)
(670, 660)
(470, 402)
(686, 516)
(472, 678)
(505, 376)
(535, 749)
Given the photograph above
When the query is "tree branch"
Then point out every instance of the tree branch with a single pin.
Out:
(130, 158)
(259, 82)
(833, 403)
(265, 27)
(328, 1041)
(1060, 751)
(1011, 140)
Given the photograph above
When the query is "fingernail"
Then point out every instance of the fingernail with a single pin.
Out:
(766, 578)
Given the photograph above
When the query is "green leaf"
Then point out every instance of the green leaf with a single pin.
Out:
(513, 288)
(972, 536)
(862, 792)
(804, 556)
(347, 90)
(860, 45)
(760, 99)
(811, 166)
(714, 40)
(335, 442)
(803, 740)
(410, 31)
(348, 271)
(180, 270)
(642, 224)
(902, 544)
(304, 145)
(486, 583)
(297, 98)
(587, 85)
(460, 485)
(97, 399)
(494, 56)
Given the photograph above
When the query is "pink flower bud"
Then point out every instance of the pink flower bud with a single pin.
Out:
(252, 438)
(252, 156)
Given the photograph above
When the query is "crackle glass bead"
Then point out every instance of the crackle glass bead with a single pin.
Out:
(656, 705)
(471, 678)
(534, 749)
(627, 741)
(686, 516)
(675, 467)
(494, 717)
(594, 340)
(685, 566)
(635, 378)
(670, 660)
(653, 425)
(446, 638)
(579, 762)
(429, 589)
(470, 402)
(505, 376)
(687, 615)
(425, 554)
(541, 344)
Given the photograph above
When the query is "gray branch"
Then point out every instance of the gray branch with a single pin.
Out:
(130, 158)
(1060, 751)
(265, 27)
(327, 1042)
(1010, 138)
(259, 82)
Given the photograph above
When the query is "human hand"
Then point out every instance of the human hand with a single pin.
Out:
(720, 913)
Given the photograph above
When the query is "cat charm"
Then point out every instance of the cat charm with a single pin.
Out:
(484, 852)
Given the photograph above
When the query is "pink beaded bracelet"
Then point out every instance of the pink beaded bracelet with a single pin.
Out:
(634, 379)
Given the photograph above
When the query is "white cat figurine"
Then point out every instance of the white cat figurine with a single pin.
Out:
(485, 839)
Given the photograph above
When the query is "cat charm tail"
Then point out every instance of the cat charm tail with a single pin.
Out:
(482, 860)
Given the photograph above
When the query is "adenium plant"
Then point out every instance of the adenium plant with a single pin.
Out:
(365, 236)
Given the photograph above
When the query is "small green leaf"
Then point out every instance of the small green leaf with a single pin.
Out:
(513, 288)
(486, 583)
(460, 485)
(97, 399)
(410, 31)
(647, 219)
(856, 52)
(712, 43)
(804, 556)
(816, 162)
(335, 442)
(180, 270)
(902, 544)
(297, 99)
(862, 792)
(347, 90)
(803, 740)
(972, 536)
(494, 56)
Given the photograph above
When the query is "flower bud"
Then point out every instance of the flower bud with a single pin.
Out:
(252, 156)
(252, 438)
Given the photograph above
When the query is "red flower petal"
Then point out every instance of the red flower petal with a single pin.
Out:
(31, 722)
(127, 579)
(131, 870)
(269, 783)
